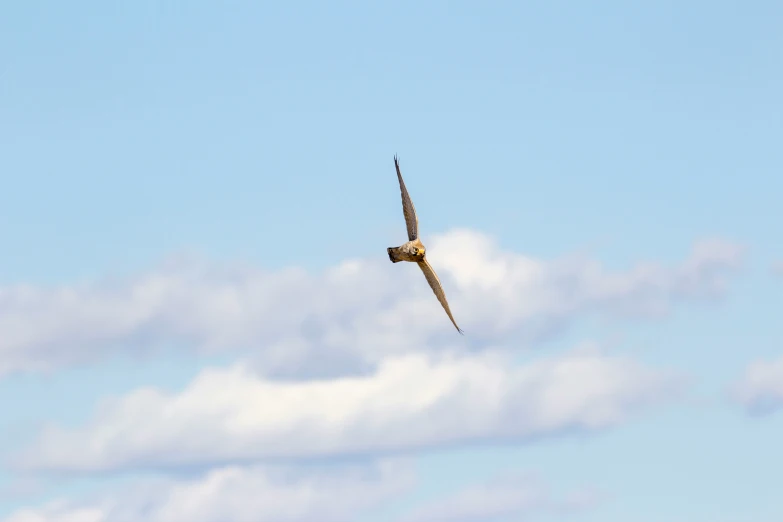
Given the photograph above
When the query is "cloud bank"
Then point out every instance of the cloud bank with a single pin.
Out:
(371, 366)
(410, 402)
(345, 318)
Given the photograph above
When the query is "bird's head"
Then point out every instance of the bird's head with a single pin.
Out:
(419, 251)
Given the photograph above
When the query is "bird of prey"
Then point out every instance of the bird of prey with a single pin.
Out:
(414, 251)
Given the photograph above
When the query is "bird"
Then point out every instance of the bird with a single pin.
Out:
(414, 250)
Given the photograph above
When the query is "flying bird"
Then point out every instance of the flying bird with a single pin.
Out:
(414, 250)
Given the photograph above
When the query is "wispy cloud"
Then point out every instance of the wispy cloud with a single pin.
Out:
(760, 389)
(240, 494)
(410, 402)
(346, 318)
(308, 494)
(507, 497)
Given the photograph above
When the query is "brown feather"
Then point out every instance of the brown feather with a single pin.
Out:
(408, 210)
(432, 279)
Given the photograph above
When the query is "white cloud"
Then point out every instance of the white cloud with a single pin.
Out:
(410, 402)
(304, 494)
(345, 318)
(760, 389)
(241, 494)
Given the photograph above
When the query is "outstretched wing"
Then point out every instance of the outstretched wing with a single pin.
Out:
(411, 221)
(432, 279)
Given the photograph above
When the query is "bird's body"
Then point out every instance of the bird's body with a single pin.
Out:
(414, 251)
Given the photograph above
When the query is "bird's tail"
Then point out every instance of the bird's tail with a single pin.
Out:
(393, 254)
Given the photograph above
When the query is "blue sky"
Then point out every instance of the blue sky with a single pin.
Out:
(197, 200)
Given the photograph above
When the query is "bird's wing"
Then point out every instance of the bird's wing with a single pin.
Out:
(432, 279)
(411, 221)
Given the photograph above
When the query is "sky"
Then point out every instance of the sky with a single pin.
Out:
(199, 321)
